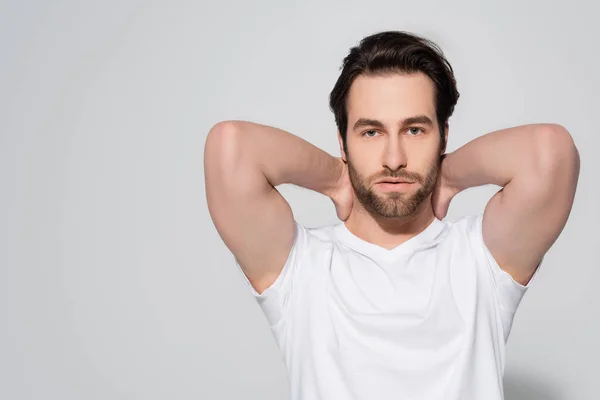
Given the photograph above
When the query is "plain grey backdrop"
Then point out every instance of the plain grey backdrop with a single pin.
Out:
(114, 283)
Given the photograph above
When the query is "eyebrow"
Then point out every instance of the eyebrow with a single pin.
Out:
(418, 119)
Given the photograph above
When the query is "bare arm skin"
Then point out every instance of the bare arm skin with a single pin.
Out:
(243, 163)
(537, 167)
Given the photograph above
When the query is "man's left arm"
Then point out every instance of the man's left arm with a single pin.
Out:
(537, 167)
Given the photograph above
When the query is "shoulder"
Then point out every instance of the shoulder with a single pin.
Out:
(317, 234)
(464, 237)
(468, 224)
(470, 229)
(465, 230)
(310, 239)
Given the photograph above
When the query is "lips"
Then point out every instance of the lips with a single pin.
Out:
(393, 181)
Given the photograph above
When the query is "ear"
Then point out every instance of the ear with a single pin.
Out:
(341, 144)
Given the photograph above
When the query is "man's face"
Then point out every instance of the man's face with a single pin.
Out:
(393, 133)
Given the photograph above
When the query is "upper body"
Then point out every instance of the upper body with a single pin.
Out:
(429, 317)
(427, 320)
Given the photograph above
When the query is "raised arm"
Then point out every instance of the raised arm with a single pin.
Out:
(537, 167)
(243, 163)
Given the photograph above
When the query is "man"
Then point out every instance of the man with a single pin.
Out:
(394, 302)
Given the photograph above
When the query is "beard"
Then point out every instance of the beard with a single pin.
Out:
(393, 204)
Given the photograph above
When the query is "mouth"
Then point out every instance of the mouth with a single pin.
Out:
(393, 185)
(394, 181)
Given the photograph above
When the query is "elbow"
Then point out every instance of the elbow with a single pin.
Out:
(556, 149)
(222, 134)
(222, 143)
(219, 148)
(226, 127)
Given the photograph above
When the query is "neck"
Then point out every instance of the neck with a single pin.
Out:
(389, 232)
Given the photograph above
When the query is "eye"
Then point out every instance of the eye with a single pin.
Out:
(414, 130)
(366, 133)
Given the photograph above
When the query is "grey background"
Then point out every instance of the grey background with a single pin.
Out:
(114, 283)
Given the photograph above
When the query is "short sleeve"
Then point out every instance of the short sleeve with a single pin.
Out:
(274, 299)
(509, 292)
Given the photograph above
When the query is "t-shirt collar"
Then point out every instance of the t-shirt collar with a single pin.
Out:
(431, 234)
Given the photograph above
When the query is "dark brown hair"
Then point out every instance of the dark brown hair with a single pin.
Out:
(395, 52)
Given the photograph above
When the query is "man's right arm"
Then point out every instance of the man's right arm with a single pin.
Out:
(243, 163)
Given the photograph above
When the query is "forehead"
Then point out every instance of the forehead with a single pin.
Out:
(391, 97)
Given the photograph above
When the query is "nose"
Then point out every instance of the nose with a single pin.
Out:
(394, 156)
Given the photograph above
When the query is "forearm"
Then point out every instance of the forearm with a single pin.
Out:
(282, 157)
(500, 156)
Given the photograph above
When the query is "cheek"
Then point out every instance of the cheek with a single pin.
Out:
(367, 160)
(424, 158)
(360, 173)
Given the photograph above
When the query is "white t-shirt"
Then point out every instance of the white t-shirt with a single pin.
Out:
(427, 320)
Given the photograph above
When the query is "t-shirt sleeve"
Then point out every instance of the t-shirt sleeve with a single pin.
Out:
(274, 300)
(509, 292)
